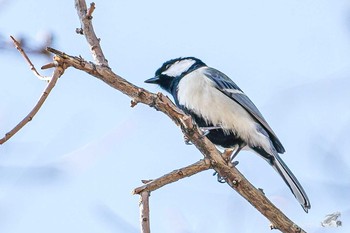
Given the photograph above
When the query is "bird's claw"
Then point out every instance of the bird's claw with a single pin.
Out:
(205, 132)
(222, 179)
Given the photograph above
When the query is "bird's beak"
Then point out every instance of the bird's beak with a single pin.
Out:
(154, 80)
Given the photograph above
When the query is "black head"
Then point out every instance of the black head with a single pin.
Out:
(173, 70)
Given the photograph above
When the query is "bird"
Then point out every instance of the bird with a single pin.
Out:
(331, 220)
(225, 113)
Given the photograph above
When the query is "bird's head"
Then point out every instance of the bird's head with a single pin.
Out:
(170, 73)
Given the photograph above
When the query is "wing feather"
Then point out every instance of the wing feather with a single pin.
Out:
(230, 89)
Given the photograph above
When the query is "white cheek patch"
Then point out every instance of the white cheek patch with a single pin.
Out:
(179, 67)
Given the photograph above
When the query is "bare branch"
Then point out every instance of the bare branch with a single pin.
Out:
(52, 81)
(162, 103)
(144, 212)
(174, 176)
(88, 30)
(32, 67)
(56, 74)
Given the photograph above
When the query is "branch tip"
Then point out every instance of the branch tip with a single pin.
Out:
(49, 65)
(90, 11)
(26, 58)
(146, 181)
(85, 16)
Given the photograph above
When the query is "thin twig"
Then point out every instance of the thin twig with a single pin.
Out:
(52, 81)
(174, 176)
(90, 10)
(26, 58)
(144, 212)
(88, 30)
(56, 74)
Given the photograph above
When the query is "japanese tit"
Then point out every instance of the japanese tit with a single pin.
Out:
(216, 103)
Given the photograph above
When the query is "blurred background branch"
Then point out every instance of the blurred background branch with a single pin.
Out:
(32, 46)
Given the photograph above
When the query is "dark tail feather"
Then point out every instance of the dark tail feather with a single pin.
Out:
(291, 181)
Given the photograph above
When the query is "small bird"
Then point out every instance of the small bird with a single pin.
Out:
(331, 220)
(226, 115)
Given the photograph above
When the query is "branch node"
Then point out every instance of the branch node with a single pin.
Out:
(296, 228)
(140, 95)
(133, 103)
(79, 31)
(180, 172)
(49, 65)
(261, 190)
(94, 47)
(207, 161)
(153, 103)
(146, 181)
(273, 227)
(188, 122)
(235, 182)
(160, 95)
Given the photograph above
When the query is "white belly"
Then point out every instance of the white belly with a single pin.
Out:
(198, 93)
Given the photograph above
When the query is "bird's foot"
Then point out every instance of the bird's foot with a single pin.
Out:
(222, 179)
(205, 132)
(227, 154)
(227, 157)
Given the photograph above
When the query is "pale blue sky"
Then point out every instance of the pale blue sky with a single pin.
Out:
(72, 169)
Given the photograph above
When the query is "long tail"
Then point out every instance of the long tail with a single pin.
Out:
(291, 181)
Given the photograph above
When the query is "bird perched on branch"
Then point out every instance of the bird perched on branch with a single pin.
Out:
(229, 118)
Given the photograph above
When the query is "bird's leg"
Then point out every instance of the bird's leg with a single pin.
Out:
(205, 131)
(227, 155)
(228, 152)
(240, 147)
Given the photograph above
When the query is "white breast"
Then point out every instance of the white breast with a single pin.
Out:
(198, 93)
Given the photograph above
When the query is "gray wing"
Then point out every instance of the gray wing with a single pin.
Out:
(230, 89)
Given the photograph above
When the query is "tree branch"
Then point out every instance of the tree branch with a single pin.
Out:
(144, 212)
(174, 176)
(58, 71)
(26, 58)
(85, 17)
(162, 103)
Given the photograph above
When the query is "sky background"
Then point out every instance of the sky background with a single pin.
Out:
(72, 168)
